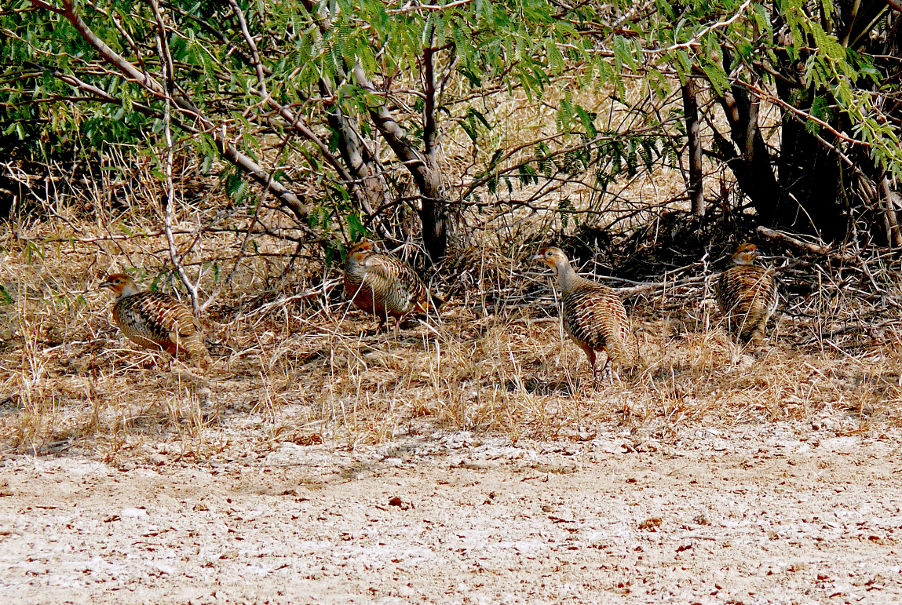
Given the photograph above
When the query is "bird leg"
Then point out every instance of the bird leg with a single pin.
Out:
(756, 338)
(579, 409)
(591, 355)
(608, 369)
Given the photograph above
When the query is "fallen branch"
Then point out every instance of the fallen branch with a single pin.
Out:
(819, 249)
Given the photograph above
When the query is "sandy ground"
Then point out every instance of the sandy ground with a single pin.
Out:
(780, 513)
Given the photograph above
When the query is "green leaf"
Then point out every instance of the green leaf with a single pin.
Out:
(356, 230)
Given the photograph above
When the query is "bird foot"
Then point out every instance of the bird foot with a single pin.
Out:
(151, 362)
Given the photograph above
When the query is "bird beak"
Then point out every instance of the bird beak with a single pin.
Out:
(106, 284)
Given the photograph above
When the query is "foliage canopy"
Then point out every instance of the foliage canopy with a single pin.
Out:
(344, 111)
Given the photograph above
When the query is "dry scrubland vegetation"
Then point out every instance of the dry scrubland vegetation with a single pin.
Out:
(295, 364)
(469, 460)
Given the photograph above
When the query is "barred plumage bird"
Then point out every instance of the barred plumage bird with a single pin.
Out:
(156, 321)
(594, 316)
(384, 285)
(746, 294)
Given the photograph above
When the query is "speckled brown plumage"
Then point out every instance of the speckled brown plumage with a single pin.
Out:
(593, 314)
(156, 321)
(747, 295)
(384, 285)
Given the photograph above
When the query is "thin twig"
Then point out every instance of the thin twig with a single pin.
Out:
(166, 59)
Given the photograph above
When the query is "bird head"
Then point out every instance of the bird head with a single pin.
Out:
(359, 252)
(745, 254)
(553, 257)
(121, 284)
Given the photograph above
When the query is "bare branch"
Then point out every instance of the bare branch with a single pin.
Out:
(430, 130)
(169, 215)
(772, 98)
(392, 131)
(47, 6)
(428, 7)
(255, 56)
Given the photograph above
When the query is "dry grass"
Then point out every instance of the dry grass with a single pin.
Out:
(309, 370)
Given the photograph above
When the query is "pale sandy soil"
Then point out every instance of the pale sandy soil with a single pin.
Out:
(779, 513)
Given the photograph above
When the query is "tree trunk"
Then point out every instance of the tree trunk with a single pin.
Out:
(696, 183)
(433, 215)
(890, 205)
(810, 174)
(752, 165)
(807, 197)
(371, 189)
(424, 170)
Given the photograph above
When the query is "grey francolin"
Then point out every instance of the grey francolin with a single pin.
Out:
(156, 321)
(594, 316)
(384, 285)
(747, 295)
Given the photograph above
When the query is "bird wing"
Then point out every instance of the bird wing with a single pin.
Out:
(596, 317)
(171, 320)
(400, 286)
